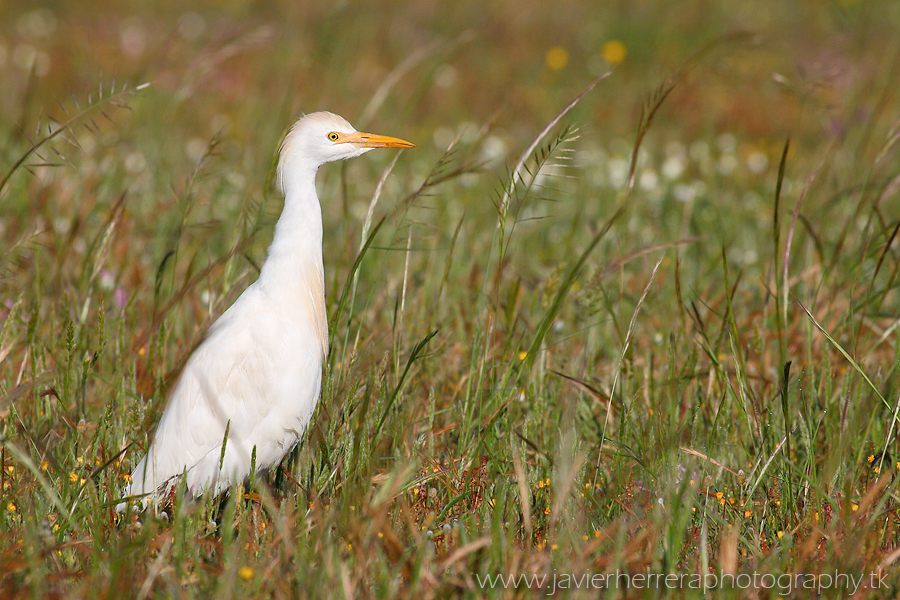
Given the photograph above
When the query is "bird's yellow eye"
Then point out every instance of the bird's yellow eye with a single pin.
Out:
(333, 136)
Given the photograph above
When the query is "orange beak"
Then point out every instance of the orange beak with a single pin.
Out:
(373, 140)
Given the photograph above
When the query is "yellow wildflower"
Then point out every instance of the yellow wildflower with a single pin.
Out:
(557, 58)
(614, 52)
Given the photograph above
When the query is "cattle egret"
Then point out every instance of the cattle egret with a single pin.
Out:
(254, 381)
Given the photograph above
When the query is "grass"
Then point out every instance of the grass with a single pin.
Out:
(663, 341)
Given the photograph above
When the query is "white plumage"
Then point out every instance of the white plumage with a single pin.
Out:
(258, 372)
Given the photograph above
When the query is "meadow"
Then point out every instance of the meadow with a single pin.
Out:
(628, 317)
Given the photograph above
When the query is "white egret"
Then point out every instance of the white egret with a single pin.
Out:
(254, 381)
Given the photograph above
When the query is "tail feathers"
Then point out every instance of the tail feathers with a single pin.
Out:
(151, 488)
(146, 489)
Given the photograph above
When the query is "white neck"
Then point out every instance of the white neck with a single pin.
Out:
(293, 274)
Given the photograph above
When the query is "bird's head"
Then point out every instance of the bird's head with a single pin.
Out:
(322, 137)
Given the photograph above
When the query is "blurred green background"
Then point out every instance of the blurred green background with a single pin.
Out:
(748, 75)
(482, 60)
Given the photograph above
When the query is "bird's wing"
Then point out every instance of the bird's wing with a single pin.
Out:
(256, 376)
